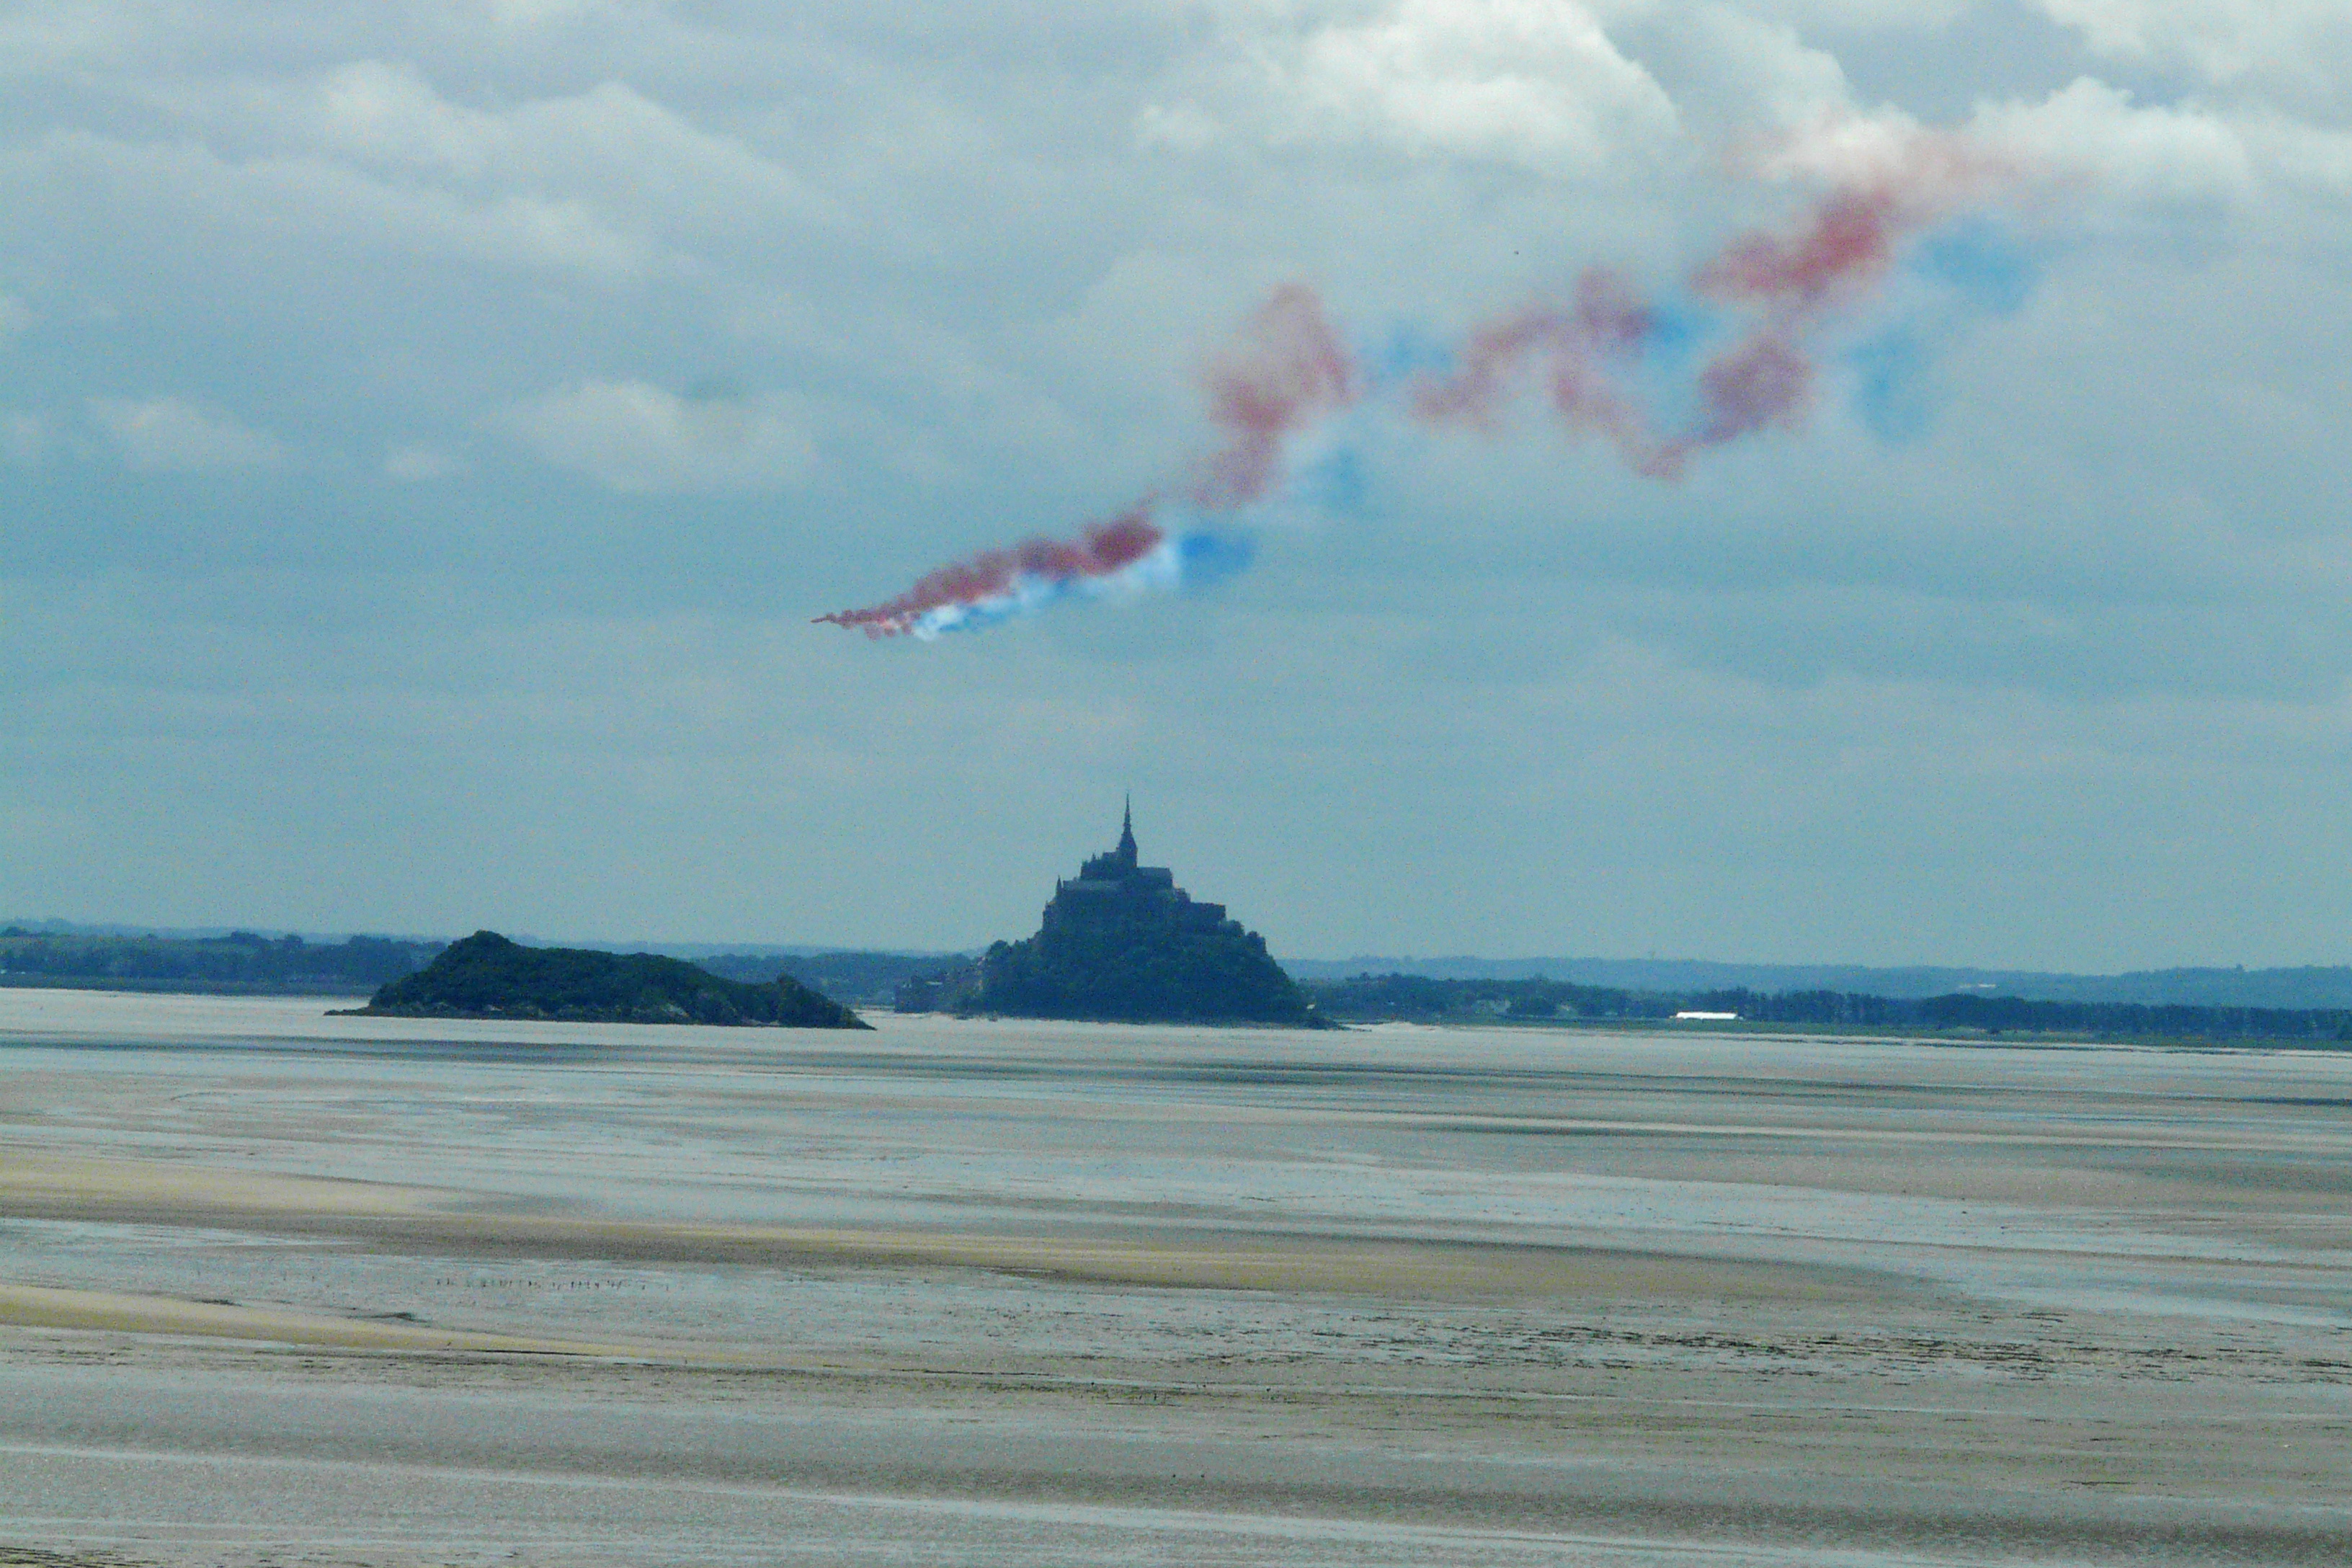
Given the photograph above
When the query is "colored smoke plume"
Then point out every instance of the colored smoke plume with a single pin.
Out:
(1291, 372)
(1101, 552)
(1847, 243)
(1606, 322)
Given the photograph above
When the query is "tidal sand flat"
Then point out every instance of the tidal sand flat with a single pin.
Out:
(280, 1286)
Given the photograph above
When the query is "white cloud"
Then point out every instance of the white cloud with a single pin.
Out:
(385, 114)
(23, 437)
(604, 183)
(1735, 74)
(646, 440)
(2222, 40)
(35, 39)
(1904, 13)
(610, 140)
(420, 462)
(1530, 82)
(1186, 126)
(640, 165)
(2161, 153)
(172, 433)
(523, 15)
(304, 200)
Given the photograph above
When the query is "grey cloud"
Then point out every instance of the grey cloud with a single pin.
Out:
(962, 265)
(2295, 52)
(643, 438)
(175, 434)
(1477, 80)
(304, 201)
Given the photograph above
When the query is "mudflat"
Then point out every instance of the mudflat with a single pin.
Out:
(280, 1286)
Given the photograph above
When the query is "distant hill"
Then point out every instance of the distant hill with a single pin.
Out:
(852, 979)
(1121, 943)
(488, 977)
(2308, 986)
(239, 962)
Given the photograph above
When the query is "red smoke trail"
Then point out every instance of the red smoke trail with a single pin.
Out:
(1606, 322)
(1850, 239)
(1846, 244)
(1100, 550)
(1289, 370)
(1765, 381)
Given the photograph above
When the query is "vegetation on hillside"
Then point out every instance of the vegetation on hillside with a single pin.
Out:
(1131, 964)
(488, 977)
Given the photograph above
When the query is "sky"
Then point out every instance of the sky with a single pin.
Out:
(428, 433)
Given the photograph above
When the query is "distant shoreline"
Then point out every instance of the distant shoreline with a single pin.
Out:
(1765, 1029)
(174, 987)
(1663, 1028)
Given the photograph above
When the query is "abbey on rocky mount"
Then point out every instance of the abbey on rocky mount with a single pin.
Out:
(1120, 941)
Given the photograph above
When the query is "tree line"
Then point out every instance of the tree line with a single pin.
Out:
(1411, 997)
(241, 961)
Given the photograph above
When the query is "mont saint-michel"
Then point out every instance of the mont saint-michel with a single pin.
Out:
(1120, 941)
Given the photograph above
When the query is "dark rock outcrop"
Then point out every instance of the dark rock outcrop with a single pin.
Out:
(488, 977)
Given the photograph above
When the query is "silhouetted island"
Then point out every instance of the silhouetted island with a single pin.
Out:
(488, 977)
(1121, 943)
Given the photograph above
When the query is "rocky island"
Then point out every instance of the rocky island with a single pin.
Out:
(1121, 943)
(488, 977)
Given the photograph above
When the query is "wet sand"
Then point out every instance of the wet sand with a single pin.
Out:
(275, 1286)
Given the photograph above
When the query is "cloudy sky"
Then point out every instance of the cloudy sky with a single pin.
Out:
(426, 431)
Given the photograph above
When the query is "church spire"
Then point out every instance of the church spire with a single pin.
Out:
(1127, 832)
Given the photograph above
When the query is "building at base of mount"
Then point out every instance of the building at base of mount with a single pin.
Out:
(1121, 943)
